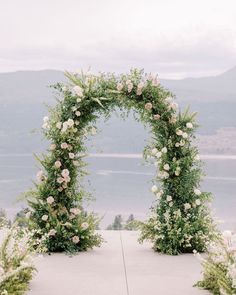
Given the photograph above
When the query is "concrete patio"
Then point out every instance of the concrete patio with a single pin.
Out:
(120, 267)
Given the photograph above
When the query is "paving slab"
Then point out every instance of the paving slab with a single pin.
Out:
(152, 273)
(99, 271)
(120, 267)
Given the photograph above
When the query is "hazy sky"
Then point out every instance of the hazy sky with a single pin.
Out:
(175, 38)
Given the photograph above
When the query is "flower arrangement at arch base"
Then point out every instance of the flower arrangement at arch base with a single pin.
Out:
(180, 220)
(219, 266)
(17, 258)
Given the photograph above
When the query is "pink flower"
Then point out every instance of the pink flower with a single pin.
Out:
(65, 172)
(40, 176)
(75, 211)
(148, 106)
(52, 147)
(64, 145)
(75, 239)
(60, 179)
(84, 225)
(156, 117)
(50, 200)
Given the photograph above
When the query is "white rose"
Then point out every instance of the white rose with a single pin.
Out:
(45, 119)
(75, 211)
(57, 164)
(78, 113)
(52, 232)
(189, 125)
(166, 167)
(84, 225)
(168, 198)
(50, 200)
(64, 145)
(164, 150)
(70, 122)
(187, 206)
(65, 172)
(154, 189)
(185, 135)
(52, 147)
(64, 126)
(179, 132)
(45, 217)
(177, 144)
(198, 202)
(75, 239)
(40, 176)
(174, 106)
(78, 90)
(182, 142)
(58, 125)
(60, 179)
(197, 192)
(71, 155)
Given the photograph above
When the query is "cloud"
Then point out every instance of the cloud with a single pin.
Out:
(174, 38)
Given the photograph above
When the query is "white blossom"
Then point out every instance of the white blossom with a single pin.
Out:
(189, 125)
(50, 200)
(154, 189)
(169, 198)
(164, 150)
(78, 90)
(84, 225)
(197, 192)
(57, 164)
(198, 202)
(75, 239)
(166, 167)
(187, 206)
(71, 155)
(59, 125)
(64, 145)
(45, 217)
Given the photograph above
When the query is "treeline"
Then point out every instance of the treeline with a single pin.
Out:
(119, 224)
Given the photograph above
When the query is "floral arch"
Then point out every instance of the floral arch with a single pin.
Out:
(179, 221)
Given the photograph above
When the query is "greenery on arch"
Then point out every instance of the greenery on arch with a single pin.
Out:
(180, 219)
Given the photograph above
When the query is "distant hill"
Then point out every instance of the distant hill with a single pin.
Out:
(207, 89)
(23, 93)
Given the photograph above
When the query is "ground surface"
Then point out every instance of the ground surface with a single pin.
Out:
(120, 267)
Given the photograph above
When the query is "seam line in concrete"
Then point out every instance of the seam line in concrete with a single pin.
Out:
(124, 264)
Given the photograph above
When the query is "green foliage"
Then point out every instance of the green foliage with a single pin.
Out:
(16, 265)
(219, 267)
(179, 225)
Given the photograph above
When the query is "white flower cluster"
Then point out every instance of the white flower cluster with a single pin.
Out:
(16, 253)
(222, 255)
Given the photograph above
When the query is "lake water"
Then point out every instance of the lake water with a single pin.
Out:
(120, 184)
